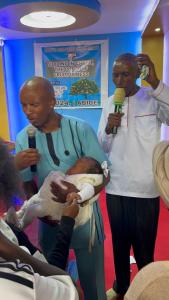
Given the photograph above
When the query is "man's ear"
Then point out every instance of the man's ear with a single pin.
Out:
(138, 72)
(53, 102)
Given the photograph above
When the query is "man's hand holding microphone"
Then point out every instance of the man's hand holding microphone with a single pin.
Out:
(114, 119)
(26, 158)
(31, 156)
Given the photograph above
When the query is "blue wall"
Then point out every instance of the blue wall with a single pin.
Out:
(19, 66)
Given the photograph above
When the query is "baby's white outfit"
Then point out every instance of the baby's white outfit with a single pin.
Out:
(85, 183)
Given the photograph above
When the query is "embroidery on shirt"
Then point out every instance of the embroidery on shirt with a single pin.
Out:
(145, 115)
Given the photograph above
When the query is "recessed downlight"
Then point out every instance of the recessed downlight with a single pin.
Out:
(158, 29)
(47, 19)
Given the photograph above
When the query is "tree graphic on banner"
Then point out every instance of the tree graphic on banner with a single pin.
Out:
(84, 87)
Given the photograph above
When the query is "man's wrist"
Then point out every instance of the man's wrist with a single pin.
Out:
(108, 130)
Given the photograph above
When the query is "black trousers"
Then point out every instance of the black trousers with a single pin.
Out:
(133, 223)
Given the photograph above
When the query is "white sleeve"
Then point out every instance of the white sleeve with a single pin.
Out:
(39, 256)
(33, 200)
(87, 192)
(105, 139)
(55, 287)
(161, 94)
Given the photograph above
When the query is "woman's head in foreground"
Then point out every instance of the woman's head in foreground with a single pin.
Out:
(10, 184)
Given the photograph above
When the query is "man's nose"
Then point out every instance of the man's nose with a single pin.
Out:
(119, 80)
(28, 110)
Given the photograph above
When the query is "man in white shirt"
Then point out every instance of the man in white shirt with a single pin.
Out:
(132, 198)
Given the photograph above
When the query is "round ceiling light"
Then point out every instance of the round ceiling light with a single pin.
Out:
(40, 15)
(47, 19)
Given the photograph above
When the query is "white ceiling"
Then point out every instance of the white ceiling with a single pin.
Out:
(116, 16)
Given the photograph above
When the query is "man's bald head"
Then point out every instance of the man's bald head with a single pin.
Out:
(125, 73)
(128, 58)
(38, 101)
(38, 82)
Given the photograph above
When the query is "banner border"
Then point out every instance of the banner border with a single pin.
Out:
(104, 64)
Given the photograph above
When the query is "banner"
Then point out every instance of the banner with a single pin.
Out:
(78, 72)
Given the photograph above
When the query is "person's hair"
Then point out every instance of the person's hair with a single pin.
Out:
(94, 167)
(10, 184)
(37, 80)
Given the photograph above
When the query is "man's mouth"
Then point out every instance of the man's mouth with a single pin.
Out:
(31, 120)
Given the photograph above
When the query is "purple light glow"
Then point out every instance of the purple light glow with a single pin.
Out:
(165, 128)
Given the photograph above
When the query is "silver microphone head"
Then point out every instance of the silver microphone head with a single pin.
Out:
(31, 131)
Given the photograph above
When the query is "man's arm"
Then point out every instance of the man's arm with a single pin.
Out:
(11, 252)
(60, 251)
(160, 91)
(90, 147)
(56, 189)
(152, 79)
(59, 254)
(99, 188)
(105, 139)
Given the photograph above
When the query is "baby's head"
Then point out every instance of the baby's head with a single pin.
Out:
(85, 165)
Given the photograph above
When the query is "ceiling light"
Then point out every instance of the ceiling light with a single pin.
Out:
(149, 9)
(47, 19)
(158, 29)
(44, 16)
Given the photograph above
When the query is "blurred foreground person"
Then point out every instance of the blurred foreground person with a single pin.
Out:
(21, 275)
(151, 283)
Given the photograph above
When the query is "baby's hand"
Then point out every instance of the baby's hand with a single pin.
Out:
(11, 217)
(73, 196)
(71, 209)
(60, 193)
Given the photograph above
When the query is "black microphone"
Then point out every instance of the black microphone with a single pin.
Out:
(118, 99)
(31, 131)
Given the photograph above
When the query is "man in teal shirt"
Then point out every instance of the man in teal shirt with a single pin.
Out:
(60, 141)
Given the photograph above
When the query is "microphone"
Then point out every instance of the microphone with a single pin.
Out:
(118, 99)
(31, 132)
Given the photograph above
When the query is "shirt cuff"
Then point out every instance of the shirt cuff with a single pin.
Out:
(158, 90)
(86, 193)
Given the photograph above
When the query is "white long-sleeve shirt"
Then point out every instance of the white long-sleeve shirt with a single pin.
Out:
(130, 150)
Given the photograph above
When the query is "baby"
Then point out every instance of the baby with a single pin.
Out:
(85, 175)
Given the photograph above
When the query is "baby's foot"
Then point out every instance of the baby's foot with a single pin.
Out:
(11, 217)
